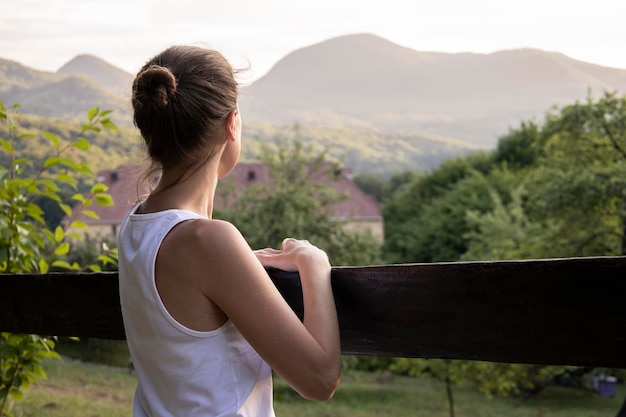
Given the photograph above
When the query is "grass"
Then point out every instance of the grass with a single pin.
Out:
(76, 389)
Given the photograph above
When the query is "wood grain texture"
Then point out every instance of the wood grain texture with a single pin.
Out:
(559, 311)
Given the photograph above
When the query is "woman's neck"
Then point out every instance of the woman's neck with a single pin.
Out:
(192, 189)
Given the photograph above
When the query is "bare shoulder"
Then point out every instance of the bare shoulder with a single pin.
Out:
(195, 245)
(201, 234)
(207, 244)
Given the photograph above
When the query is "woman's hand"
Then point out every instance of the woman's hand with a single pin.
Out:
(293, 255)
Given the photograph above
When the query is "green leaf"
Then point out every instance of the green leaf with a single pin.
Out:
(49, 184)
(81, 143)
(95, 268)
(62, 264)
(35, 212)
(16, 394)
(78, 224)
(106, 259)
(66, 209)
(53, 160)
(52, 138)
(92, 113)
(20, 161)
(87, 128)
(74, 235)
(6, 145)
(43, 266)
(39, 372)
(59, 234)
(108, 124)
(99, 188)
(91, 213)
(78, 197)
(68, 179)
(62, 249)
(70, 163)
(104, 200)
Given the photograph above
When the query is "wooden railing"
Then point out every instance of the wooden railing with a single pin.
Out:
(558, 311)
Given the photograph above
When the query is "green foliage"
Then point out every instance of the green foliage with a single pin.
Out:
(20, 365)
(580, 178)
(364, 150)
(556, 189)
(382, 190)
(107, 147)
(506, 232)
(425, 222)
(520, 148)
(27, 244)
(521, 380)
(296, 202)
(551, 190)
(99, 254)
(571, 197)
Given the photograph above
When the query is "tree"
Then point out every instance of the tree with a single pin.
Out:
(571, 197)
(426, 221)
(580, 179)
(450, 372)
(297, 202)
(26, 242)
(382, 189)
(506, 232)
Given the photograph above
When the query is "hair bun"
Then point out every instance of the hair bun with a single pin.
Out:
(157, 85)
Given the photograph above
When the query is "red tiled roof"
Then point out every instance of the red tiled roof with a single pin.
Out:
(356, 205)
(122, 183)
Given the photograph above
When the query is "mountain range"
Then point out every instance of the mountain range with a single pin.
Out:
(430, 104)
(365, 80)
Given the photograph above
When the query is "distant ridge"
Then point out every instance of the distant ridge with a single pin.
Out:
(67, 94)
(15, 75)
(381, 107)
(105, 74)
(69, 98)
(365, 80)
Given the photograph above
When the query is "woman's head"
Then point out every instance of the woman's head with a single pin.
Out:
(182, 99)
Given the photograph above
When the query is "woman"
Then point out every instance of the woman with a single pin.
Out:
(203, 320)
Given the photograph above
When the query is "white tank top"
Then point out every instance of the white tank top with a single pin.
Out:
(180, 371)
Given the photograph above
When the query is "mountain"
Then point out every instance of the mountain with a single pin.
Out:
(14, 75)
(68, 93)
(380, 106)
(363, 80)
(69, 98)
(100, 71)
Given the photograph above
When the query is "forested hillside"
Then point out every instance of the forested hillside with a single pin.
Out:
(108, 148)
(549, 190)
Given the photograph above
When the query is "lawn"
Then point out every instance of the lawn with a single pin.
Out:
(76, 389)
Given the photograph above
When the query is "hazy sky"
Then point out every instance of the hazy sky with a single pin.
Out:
(45, 34)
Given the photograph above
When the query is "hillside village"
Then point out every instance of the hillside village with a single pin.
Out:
(358, 211)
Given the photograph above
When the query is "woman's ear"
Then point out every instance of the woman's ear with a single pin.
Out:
(232, 125)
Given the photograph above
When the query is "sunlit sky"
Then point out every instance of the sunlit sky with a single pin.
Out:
(45, 34)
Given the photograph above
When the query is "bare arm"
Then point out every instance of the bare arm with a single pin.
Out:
(306, 354)
(320, 314)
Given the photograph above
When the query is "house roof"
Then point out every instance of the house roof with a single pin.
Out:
(123, 187)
